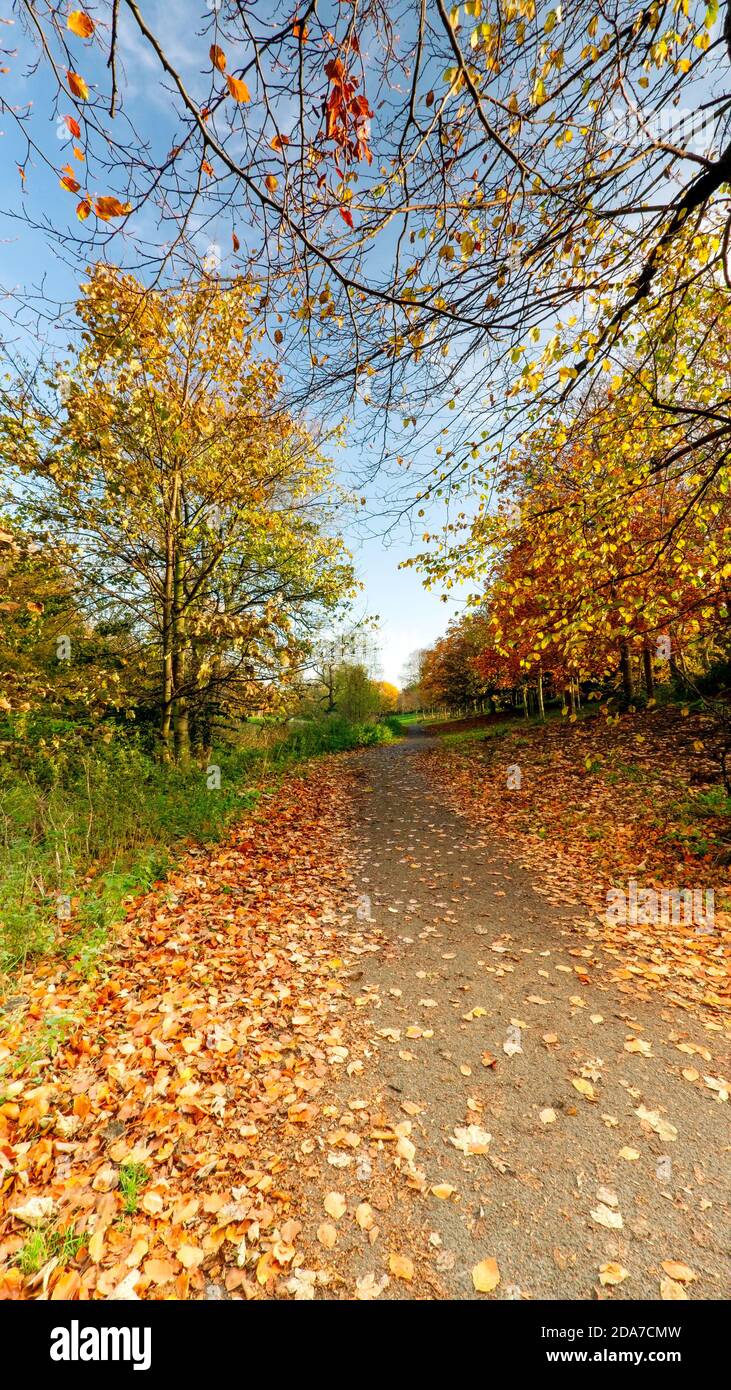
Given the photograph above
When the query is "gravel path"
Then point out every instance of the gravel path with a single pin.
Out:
(487, 1006)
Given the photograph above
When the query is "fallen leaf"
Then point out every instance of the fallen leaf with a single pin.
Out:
(663, 1128)
(368, 1287)
(470, 1139)
(401, 1267)
(681, 1273)
(486, 1276)
(335, 1205)
(327, 1235)
(672, 1292)
(604, 1216)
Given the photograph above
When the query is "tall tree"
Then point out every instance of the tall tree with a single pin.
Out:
(183, 495)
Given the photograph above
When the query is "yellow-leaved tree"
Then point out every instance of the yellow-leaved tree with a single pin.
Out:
(185, 500)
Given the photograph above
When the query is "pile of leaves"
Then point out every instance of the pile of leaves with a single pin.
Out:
(593, 804)
(145, 1117)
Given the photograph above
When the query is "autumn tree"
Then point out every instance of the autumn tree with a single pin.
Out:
(388, 695)
(597, 562)
(183, 496)
(448, 674)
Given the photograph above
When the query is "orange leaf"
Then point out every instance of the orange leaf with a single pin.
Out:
(238, 89)
(108, 206)
(217, 57)
(70, 183)
(271, 182)
(78, 86)
(73, 127)
(67, 1286)
(81, 24)
(83, 209)
(235, 241)
(159, 1271)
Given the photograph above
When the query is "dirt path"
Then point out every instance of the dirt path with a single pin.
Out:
(488, 1007)
(258, 1094)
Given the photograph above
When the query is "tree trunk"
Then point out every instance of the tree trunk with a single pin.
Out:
(541, 709)
(167, 652)
(181, 724)
(649, 670)
(625, 666)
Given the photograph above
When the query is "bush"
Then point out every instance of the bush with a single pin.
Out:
(96, 823)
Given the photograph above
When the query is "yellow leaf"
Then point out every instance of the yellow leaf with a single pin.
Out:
(190, 1256)
(612, 1273)
(96, 1246)
(443, 1190)
(81, 24)
(486, 1276)
(681, 1273)
(671, 1292)
(334, 1205)
(401, 1267)
(584, 1088)
(364, 1216)
(327, 1235)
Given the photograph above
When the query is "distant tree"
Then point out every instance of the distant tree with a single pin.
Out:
(388, 696)
(357, 697)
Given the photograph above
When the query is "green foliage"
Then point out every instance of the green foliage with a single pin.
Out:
(397, 724)
(100, 823)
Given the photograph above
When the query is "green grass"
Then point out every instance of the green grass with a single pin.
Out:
(84, 829)
(132, 1177)
(48, 1243)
